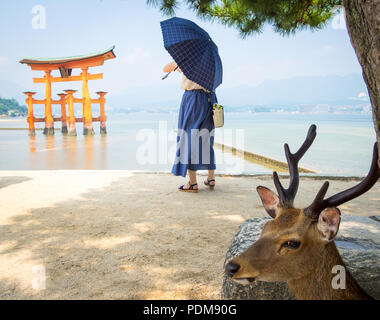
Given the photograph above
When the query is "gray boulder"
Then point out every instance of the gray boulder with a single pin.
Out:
(358, 242)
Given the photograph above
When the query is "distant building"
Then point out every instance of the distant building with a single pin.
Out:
(367, 109)
(323, 108)
(306, 108)
(341, 109)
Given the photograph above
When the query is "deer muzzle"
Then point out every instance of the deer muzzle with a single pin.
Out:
(238, 273)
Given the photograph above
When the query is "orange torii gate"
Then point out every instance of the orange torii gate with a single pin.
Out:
(65, 66)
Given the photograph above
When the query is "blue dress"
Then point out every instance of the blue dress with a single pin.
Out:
(195, 138)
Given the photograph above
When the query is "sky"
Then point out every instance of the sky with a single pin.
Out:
(74, 27)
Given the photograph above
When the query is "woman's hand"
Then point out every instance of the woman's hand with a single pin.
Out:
(170, 67)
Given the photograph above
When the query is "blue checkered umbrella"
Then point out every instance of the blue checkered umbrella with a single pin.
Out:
(194, 52)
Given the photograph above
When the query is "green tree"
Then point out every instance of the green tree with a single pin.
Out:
(11, 106)
(289, 16)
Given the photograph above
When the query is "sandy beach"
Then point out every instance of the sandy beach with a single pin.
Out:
(125, 235)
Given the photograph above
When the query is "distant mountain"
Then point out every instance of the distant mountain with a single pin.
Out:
(12, 90)
(331, 90)
(165, 96)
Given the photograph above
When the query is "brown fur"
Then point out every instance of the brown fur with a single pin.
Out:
(308, 269)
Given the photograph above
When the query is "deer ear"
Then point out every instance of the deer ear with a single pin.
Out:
(328, 223)
(269, 199)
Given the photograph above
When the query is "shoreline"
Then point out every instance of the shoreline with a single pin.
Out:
(11, 119)
(5, 129)
(259, 159)
(265, 176)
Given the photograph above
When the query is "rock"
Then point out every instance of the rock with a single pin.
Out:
(375, 218)
(358, 242)
(247, 234)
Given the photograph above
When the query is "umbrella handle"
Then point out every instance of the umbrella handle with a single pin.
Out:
(167, 75)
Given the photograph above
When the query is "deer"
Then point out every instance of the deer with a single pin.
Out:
(297, 245)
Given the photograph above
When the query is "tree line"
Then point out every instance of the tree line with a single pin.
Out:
(10, 107)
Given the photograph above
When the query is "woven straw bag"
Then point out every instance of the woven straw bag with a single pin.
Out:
(218, 115)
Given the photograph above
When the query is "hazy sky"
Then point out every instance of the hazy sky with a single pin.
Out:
(84, 26)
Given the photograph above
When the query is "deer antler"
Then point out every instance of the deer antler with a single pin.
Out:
(287, 195)
(319, 203)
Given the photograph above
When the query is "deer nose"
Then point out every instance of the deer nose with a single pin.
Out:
(232, 268)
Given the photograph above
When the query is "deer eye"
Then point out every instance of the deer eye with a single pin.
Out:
(291, 244)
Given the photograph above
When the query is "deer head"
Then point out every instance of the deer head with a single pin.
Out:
(293, 244)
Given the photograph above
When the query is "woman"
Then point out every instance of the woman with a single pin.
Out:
(195, 137)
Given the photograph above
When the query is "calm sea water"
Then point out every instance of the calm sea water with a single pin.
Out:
(146, 142)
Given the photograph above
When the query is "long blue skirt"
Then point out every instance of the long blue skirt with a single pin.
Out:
(195, 138)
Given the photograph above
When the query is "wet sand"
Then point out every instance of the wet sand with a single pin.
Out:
(263, 161)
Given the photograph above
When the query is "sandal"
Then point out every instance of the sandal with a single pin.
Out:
(207, 183)
(191, 188)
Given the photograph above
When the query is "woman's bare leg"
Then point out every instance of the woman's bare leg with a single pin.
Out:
(211, 176)
(193, 176)
(193, 179)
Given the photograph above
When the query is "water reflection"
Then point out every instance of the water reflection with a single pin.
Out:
(89, 152)
(70, 145)
(50, 152)
(33, 162)
(67, 152)
(32, 144)
(103, 151)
